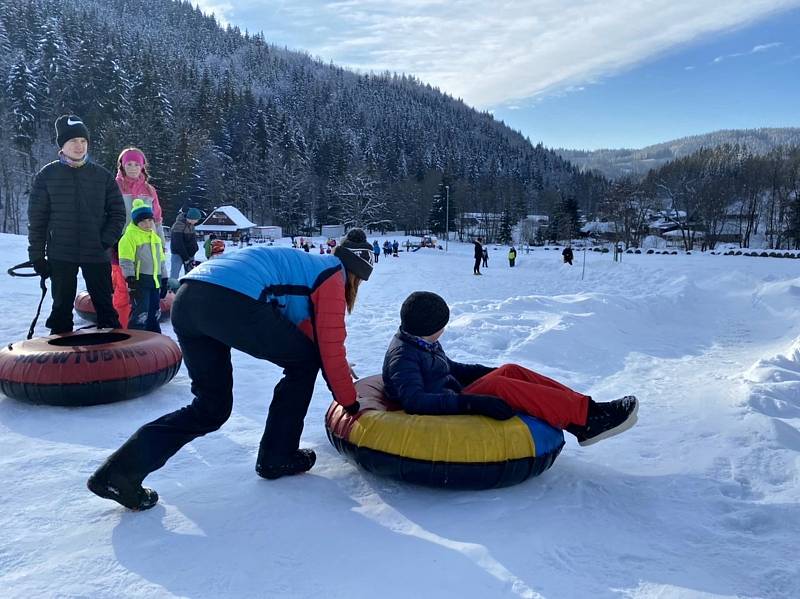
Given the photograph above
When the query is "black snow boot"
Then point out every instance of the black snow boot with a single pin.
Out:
(605, 420)
(300, 461)
(110, 485)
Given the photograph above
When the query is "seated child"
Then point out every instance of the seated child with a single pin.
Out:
(141, 258)
(419, 375)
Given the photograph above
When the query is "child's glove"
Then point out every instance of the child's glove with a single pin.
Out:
(164, 287)
(131, 281)
(485, 405)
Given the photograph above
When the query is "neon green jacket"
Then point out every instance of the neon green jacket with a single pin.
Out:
(141, 253)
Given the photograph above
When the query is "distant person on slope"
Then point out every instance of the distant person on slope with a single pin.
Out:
(376, 249)
(276, 304)
(183, 242)
(217, 248)
(476, 269)
(512, 256)
(568, 255)
(485, 257)
(418, 374)
(75, 215)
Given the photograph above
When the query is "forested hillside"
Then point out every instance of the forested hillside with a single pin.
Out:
(227, 118)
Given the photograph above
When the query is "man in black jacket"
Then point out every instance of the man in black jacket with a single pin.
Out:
(75, 214)
(183, 242)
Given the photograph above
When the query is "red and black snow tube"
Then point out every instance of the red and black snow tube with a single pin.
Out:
(87, 367)
(85, 308)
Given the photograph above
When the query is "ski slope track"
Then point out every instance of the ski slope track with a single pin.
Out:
(700, 499)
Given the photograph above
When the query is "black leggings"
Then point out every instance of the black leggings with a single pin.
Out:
(210, 320)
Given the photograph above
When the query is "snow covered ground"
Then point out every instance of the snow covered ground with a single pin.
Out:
(700, 499)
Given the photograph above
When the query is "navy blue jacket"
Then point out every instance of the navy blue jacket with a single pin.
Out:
(423, 379)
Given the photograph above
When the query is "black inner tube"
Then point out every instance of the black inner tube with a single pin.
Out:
(89, 339)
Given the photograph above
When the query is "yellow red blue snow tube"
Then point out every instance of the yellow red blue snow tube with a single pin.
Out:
(461, 452)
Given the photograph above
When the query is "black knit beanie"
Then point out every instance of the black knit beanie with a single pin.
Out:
(423, 313)
(69, 127)
(355, 253)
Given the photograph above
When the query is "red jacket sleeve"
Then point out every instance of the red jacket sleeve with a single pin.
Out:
(330, 333)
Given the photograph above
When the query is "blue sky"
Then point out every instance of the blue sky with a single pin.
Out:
(586, 74)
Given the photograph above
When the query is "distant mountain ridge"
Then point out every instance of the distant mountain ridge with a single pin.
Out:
(618, 163)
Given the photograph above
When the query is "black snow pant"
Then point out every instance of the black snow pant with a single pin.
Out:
(511, 262)
(477, 268)
(64, 285)
(210, 320)
(145, 305)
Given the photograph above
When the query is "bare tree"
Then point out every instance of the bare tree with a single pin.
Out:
(361, 205)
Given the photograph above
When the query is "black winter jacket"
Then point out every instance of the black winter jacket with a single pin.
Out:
(424, 380)
(478, 249)
(74, 214)
(183, 239)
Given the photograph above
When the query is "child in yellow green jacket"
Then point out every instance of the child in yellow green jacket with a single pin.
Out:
(141, 257)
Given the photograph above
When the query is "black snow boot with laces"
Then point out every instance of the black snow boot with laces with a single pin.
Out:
(605, 420)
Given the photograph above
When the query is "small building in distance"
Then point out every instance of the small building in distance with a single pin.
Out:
(332, 231)
(268, 232)
(226, 221)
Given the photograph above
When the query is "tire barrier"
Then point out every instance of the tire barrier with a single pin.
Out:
(87, 367)
(85, 308)
(459, 452)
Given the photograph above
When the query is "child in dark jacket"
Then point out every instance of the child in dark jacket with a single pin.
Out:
(418, 374)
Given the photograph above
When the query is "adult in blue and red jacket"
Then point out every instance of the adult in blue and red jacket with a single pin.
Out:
(277, 304)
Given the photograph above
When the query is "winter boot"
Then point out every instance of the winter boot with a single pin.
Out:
(605, 420)
(111, 485)
(300, 461)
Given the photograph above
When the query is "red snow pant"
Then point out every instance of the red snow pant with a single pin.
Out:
(534, 394)
(122, 300)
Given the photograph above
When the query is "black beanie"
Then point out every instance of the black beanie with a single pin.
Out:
(355, 253)
(423, 313)
(69, 127)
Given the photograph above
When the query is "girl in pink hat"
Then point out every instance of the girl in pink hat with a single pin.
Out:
(132, 180)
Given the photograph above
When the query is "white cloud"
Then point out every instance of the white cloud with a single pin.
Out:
(754, 50)
(763, 47)
(501, 52)
(220, 10)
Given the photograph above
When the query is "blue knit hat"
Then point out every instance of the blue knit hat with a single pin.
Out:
(140, 211)
(193, 214)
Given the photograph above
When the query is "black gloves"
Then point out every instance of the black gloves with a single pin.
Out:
(41, 267)
(353, 408)
(162, 292)
(188, 265)
(131, 283)
(485, 405)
